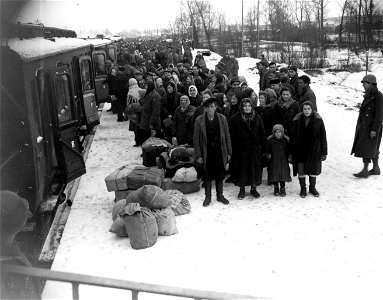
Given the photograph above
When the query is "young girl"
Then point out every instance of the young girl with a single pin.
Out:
(279, 170)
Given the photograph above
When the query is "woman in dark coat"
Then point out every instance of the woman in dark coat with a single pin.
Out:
(150, 123)
(183, 122)
(368, 133)
(309, 147)
(249, 143)
(194, 97)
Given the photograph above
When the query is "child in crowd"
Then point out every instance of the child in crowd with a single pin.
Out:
(279, 156)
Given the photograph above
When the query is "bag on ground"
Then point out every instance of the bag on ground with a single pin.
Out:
(185, 175)
(141, 175)
(184, 187)
(116, 180)
(155, 142)
(179, 203)
(141, 225)
(152, 197)
(150, 153)
(166, 221)
(118, 227)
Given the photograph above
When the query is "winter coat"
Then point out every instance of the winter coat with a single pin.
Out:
(294, 83)
(249, 143)
(200, 138)
(279, 169)
(169, 103)
(200, 61)
(133, 94)
(151, 108)
(230, 110)
(183, 124)
(196, 101)
(267, 115)
(285, 114)
(262, 79)
(307, 94)
(308, 143)
(369, 119)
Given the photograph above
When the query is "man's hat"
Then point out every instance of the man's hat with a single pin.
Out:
(274, 80)
(294, 68)
(369, 78)
(209, 101)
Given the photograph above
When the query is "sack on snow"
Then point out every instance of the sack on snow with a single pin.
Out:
(143, 175)
(179, 203)
(152, 197)
(141, 225)
(184, 187)
(117, 207)
(166, 221)
(118, 227)
(185, 175)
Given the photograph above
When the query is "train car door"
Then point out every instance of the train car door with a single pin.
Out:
(100, 73)
(63, 109)
(88, 92)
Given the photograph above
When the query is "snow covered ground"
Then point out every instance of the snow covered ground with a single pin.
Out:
(284, 248)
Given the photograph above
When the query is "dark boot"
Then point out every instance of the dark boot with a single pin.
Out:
(219, 190)
(254, 192)
(282, 190)
(207, 200)
(276, 189)
(375, 169)
(312, 189)
(364, 173)
(302, 182)
(241, 194)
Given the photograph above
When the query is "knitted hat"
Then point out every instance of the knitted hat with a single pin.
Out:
(278, 127)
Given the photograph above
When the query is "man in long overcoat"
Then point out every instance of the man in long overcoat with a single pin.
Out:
(368, 133)
(212, 145)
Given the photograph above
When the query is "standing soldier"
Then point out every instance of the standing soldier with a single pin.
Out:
(368, 133)
(212, 146)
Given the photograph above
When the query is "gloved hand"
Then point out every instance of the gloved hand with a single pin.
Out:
(372, 134)
(323, 157)
(199, 161)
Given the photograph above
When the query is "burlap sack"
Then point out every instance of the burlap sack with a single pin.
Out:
(179, 203)
(152, 197)
(118, 227)
(166, 221)
(140, 224)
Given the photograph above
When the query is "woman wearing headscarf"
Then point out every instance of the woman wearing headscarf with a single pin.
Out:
(309, 147)
(194, 97)
(183, 122)
(249, 142)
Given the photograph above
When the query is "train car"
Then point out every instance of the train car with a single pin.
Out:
(48, 91)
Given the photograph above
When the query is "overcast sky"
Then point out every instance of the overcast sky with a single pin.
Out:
(117, 15)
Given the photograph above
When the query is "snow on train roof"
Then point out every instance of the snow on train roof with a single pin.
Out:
(30, 49)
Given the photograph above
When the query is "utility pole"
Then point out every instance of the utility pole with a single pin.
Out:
(257, 48)
(242, 33)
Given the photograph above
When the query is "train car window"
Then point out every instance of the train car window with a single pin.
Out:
(112, 53)
(86, 75)
(99, 64)
(63, 98)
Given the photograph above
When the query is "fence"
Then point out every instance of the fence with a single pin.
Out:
(135, 287)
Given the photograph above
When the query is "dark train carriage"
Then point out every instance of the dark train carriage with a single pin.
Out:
(43, 83)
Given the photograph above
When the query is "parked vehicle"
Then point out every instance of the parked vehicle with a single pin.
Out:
(50, 89)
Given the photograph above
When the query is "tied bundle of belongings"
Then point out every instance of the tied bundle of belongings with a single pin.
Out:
(179, 203)
(175, 159)
(116, 181)
(133, 217)
(185, 175)
(141, 225)
(151, 149)
(184, 187)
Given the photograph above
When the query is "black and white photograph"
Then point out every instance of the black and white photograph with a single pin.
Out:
(191, 149)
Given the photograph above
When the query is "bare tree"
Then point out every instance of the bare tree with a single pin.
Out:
(344, 6)
(207, 17)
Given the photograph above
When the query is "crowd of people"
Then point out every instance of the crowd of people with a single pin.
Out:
(233, 129)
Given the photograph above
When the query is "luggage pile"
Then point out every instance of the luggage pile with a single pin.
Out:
(151, 149)
(147, 213)
(180, 172)
(127, 179)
